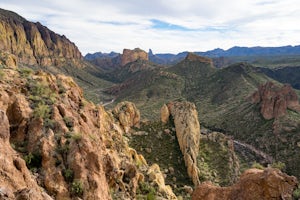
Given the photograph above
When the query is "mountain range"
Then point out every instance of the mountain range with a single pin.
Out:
(139, 125)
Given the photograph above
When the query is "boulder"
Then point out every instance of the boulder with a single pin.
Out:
(264, 184)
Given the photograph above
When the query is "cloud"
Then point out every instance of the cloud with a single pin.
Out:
(166, 26)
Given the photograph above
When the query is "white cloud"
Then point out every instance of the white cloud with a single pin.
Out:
(113, 25)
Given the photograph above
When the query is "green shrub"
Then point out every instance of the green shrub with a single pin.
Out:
(279, 165)
(296, 193)
(69, 121)
(33, 160)
(77, 136)
(1, 73)
(68, 175)
(41, 111)
(77, 188)
(257, 165)
(25, 72)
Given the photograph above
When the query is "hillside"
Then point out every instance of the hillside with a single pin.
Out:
(222, 97)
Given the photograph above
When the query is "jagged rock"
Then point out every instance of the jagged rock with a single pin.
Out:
(133, 55)
(4, 126)
(128, 115)
(34, 43)
(188, 134)
(275, 100)
(157, 178)
(253, 184)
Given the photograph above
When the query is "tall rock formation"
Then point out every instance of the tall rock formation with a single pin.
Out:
(274, 100)
(253, 184)
(133, 55)
(33, 43)
(188, 134)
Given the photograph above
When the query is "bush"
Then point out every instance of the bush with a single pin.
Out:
(279, 165)
(41, 111)
(25, 72)
(33, 160)
(296, 193)
(69, 122)
(257, 166)
(68, 175)
(1, 73)
(77, 188)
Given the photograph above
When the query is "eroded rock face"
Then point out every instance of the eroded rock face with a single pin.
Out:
(76, 148)
(275, 100)
(253, 184)
(193, 57)
(133, 55)
(188, 134)
(34, 43)
(128, 115)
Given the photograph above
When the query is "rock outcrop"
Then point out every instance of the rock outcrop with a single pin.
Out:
(133, 55)
(33, 43)
(194, 57)
(274, 100)
(64, 147)
(253, 184)
(188, 134)
(127, 114)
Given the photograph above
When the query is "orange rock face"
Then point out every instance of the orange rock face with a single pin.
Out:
(133, 55)
(275, 100)
(253, 184)
(34, 43)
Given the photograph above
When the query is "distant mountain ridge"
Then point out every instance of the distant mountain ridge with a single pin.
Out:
(236, 51)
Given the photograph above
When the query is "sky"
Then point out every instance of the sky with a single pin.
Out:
(165, 26)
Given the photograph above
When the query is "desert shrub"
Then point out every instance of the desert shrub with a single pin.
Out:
(279, 165)
(296, 193)
(77, 188)
(77, 136)
(25, 72)
(257, 165)
(33, 160)
(1, 73)
(69, 122)
(41, 111)
(68, 175)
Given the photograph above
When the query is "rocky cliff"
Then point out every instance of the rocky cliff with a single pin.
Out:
(54, 144)
(274, 100)
(133, 55)
(33, 43)
(253, 184)
(187, 128)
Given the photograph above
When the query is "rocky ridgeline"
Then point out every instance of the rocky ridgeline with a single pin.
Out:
(56, 145)
(129, 56)
(274, 100)
(187, 132)
(35, 44)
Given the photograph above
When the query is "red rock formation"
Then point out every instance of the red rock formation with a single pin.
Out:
(253, 184)
(34, 43)
(275, 100)
(133, 55)
(193, 57)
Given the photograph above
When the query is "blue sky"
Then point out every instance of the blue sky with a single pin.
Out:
(166, 26)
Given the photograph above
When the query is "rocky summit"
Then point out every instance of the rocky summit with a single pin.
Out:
(33, 43)
(129, 56)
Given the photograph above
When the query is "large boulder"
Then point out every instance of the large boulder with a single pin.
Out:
(253, 184)
(127, 114)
